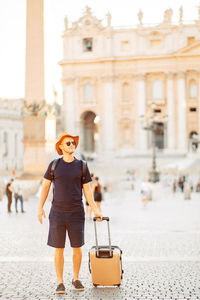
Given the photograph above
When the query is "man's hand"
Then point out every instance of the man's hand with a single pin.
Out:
(41, 214)
(98, 215)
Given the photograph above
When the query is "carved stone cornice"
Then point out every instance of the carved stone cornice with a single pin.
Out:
(69, 80)
(181, 74)
(170, 75)
(125, 76)
(141, 76)
(107, 78)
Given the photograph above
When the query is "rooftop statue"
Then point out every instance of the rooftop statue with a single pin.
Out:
(168, 16)
(66, 23)
(140, 16)
(181, 14)
(109, 19)
(87, 10)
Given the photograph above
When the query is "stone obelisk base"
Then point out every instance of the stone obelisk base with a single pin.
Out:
(39, 145)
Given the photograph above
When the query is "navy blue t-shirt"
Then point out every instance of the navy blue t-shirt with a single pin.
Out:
(67, 196)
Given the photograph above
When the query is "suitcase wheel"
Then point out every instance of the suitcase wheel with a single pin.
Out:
(118, 285)
(94, 284)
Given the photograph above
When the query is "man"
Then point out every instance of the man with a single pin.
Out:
(18, 196)
(67, 212)
(9, 194)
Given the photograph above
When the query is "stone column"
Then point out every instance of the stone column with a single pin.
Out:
(170, 112)
(34, 87)
(182, 132)
(198, 91)
(108, 116)
(142, 134)
(39, 129)
(69, 107)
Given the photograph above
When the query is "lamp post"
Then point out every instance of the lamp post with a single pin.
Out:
(153, 126)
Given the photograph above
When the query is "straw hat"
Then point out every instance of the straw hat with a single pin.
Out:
(61, 138)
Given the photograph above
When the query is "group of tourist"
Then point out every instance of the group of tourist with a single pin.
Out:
(183, 182)
(16, 190)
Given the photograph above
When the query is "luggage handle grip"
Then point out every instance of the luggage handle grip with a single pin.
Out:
(109, 240)
(103, 218)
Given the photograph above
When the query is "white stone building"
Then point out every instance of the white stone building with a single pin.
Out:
(115, 77)
(11, 134)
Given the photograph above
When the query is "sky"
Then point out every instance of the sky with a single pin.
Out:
(13, 34)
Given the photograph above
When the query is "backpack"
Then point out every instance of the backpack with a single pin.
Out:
(56, 162)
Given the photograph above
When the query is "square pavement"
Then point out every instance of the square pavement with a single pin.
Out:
(160, 243)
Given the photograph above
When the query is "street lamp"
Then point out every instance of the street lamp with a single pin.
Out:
(153, 126)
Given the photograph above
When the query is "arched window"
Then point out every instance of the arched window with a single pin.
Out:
(157, 89)
(5, 142)
(125, 92)
(88, 92)
(193, 89)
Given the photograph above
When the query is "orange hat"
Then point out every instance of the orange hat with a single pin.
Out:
(60, 139)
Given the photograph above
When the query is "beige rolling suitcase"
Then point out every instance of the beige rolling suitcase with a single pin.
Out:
(105, 262)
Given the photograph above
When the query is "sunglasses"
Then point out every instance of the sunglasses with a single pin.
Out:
(69, 143)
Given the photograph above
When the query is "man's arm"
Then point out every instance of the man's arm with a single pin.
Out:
(43, 197)
(89, 197)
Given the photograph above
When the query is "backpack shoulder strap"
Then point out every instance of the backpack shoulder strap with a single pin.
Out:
(84, 164)
(53, 167)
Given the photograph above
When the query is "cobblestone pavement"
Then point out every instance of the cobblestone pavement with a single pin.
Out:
(160, 243)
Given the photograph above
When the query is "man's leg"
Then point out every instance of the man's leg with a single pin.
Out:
(21, 200)
(77, 258)
(59, 264)
(16, 200)
(9, 203)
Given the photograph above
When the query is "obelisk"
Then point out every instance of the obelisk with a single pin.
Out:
(39, 125)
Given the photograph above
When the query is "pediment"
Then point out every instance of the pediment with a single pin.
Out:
(191, 49)
(87, 22)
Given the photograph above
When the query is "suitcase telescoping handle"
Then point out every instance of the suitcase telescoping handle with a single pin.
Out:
(109, 239)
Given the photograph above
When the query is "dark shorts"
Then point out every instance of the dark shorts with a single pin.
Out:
(97, 198)
(62, 222)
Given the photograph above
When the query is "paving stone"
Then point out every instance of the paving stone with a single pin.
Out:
(161, 250)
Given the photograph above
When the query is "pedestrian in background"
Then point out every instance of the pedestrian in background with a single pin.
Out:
(18, 196)
(97, 193)
(9, 194)
(174, 186)
(145, 190)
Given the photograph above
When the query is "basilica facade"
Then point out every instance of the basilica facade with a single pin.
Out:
(117, 82)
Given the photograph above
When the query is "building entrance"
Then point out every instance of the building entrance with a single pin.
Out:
(159, 136)
(88, 131)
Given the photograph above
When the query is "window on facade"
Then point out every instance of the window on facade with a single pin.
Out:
(5, 141)
(125, 92)
(155, 43)
(88, 92)
(157, 89)
(193, 89)
(190, 40)
(125, 45)
(193, 109)
(87, 44)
